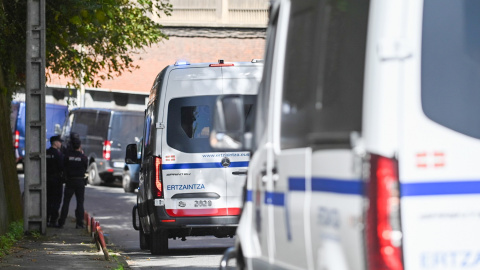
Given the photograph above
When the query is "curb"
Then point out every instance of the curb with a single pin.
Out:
(95, 230)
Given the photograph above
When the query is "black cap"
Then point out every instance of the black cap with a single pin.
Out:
(55, 138)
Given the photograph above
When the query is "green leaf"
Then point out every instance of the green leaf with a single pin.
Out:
(76, 20)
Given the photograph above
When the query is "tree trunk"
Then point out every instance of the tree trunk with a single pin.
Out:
(10, 198)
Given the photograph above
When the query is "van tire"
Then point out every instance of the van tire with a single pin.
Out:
(93, 177)
(144, 240)
(158, 242)
(127, 183)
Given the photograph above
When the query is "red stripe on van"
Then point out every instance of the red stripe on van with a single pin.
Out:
(203, 212)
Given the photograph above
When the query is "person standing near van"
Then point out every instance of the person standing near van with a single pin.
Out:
(75, 163)
(54, 180)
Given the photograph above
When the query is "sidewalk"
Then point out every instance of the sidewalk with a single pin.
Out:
(66, 248)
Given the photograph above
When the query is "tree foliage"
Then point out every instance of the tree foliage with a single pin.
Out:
(88, 40)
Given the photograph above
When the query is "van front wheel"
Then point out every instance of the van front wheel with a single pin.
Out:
(93, 177)
(158, 242)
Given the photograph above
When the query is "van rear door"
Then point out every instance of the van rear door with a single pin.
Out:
(440, 140)
(244, 80)
(193, 175)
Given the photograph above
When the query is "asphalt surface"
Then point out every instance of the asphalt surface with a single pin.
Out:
(66, 248)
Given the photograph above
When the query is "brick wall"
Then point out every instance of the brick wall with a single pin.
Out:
(194, 49)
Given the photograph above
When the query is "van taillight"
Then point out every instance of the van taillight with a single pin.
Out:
(17, 139)
(383, 231)
(107, 150)
(157, 177)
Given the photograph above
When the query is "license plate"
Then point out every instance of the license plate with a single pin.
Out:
(118, 164)
(191, 204)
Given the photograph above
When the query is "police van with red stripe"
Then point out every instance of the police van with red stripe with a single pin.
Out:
(367, 139)
(187, 188)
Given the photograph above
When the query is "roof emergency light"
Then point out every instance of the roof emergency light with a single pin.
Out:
(182, 63)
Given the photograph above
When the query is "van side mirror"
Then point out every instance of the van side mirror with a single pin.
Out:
(228, 132)
(131, 154)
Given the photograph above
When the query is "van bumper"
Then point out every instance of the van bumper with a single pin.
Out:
(219, 226)
(107, 169)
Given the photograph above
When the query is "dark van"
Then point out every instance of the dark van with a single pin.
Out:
(104, 134)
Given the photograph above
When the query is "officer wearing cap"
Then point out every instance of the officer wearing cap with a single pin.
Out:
(75, 164)
(54, 180)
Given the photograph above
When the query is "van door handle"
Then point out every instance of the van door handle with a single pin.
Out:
(275, 176)
(239, 173)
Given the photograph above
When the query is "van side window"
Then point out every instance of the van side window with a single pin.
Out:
(323, 74)
(451, 64)
(148, 129)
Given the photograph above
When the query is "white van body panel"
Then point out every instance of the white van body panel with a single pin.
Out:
(290, 197)
(337, 210)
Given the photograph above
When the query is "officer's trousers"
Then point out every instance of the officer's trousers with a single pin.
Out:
(77, 187)
(54, 199)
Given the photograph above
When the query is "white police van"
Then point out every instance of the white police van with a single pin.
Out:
(367, 140)
(186, 188)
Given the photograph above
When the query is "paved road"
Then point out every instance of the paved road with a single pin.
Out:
(112, 207)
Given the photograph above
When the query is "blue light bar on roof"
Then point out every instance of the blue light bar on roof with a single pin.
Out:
(182, 63)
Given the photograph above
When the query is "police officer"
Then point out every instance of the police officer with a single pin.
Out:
(75, 164)
(54, 180)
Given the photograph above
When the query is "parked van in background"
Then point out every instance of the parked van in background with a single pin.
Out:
(55, 117)
(186, 187)
(104, 134)
(366, 139)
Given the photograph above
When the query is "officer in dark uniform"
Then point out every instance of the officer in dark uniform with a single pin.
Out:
(54, 180)
(75, 164)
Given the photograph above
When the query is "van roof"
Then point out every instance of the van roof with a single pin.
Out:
(182, 64)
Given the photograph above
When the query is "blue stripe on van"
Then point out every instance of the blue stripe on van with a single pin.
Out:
(439, 188)
(297, 183)
(275, 198)
(249, 195)
(352, 187)
(208, 165)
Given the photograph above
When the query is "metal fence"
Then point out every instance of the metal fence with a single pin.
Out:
(218, 13)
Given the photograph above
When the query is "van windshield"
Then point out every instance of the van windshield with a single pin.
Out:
(451, 64)
(190, 122)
